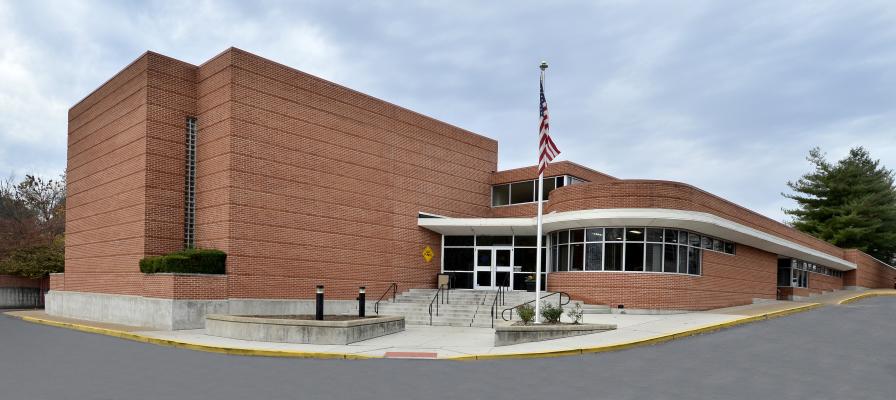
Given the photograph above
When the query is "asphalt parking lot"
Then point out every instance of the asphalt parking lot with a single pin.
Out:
(836, 352)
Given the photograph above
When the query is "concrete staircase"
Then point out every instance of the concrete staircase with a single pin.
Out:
(464, 307)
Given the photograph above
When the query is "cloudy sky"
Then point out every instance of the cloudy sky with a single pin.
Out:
(728, 96)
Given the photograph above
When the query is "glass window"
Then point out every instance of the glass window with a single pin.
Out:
(593, 256)
(718, 245)
(634, 256)
(671, 236)
(576, 257)
(500, 195)
(458, 240)
(563, 237)
(484, 257)
(613, 256)
(494, 240)
(560, 181)
(706, 242)
(527, 241)
(729, 247)
(554, 263)
(522, 192)
(654, 260)
(694, 261)
(694, 239)
(525, 259)
(548, 184)
(563, 258)
(462, 280)
(682, 237)
(458, 259)
(634, 235)
(683, 259)
(594, 235)
(654, 235)
(577, 236)
(614, 234)
(670, 258)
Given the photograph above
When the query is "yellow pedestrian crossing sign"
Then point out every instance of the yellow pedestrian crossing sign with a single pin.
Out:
(427, 254)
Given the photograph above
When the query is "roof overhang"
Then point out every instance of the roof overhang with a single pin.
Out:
(691, 220)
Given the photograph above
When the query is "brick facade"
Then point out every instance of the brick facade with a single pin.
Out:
(305, 182)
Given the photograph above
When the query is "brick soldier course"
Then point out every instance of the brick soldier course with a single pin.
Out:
(304, 182)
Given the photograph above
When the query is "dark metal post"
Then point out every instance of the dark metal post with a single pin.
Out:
(362, 302)
(319, 312)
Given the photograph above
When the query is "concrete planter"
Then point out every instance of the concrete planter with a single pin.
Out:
(507, 335)
(273, 329)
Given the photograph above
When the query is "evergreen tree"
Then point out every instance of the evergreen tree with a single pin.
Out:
(851, 204)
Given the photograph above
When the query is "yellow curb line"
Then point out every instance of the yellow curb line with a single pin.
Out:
(642, 342)
(320, 355)
(865, 295)
(191, 346)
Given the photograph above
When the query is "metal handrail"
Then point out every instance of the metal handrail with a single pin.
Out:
(502, 290)
(394, 288)
(560, 303)
(441, 293)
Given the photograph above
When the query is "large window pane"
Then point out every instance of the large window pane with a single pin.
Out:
(654, 260)
(528, 241)
(694, 256)
(561, 181)
(563, 258)
(577, 236)
(613, 257)
(462, 280)
(683, 259)
(718, 245)
(458, 240)
(634, 256)
(554, 262)
(694, 239)
(484, 258)
(563, 237)
(525, 259)
(576, 257)
(522, 192)
(500, 195)
(671, 236)
(634, 234)
(729, 247)
(654, 235)
(614, 234)
(707, 242)
(670, 258)
(593, 256)
(458, 259)
(494, 240)
(547, 187)
(594, 235)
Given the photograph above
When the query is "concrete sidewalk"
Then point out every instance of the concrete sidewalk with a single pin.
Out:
(440, 342)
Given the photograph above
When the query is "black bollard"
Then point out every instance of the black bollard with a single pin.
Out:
(362, 302)
(319, 312)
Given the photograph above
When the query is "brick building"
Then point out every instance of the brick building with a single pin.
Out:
(305, 182)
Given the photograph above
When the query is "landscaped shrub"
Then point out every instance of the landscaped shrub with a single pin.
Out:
(526, 313)
(551, 313)
(189, 261)
(575, 313)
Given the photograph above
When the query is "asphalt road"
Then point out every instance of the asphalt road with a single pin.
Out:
(845, 352)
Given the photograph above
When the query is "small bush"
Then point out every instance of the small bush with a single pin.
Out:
(575, 313)
(189, 261)
(526, 313)
(551, 313)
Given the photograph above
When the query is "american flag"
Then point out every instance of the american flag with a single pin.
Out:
(547, 150)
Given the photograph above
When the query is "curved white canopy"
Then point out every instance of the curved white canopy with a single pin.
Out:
(691, 220)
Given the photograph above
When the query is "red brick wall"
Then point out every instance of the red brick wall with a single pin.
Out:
(185, 286)
(326, 184)
(553, 169)
(727, 280)
(871, 273)
(11, 281)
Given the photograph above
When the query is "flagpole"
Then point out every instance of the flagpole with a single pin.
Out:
(543, 67)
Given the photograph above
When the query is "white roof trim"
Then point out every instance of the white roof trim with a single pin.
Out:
(692, 220)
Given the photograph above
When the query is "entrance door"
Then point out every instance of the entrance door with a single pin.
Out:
(494, 267)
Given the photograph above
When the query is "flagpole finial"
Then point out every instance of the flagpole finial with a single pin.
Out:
(544, 65)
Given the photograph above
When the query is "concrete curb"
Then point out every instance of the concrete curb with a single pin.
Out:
(321, 355)
(865, 295)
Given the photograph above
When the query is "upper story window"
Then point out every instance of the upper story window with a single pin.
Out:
(524, 191)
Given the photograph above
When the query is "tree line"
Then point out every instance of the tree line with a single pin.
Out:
(32, 226)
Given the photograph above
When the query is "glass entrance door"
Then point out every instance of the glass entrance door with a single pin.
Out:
(494, 267)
